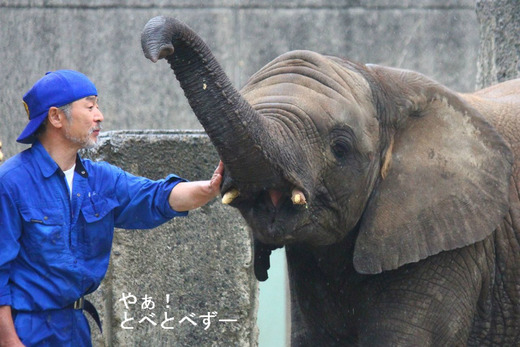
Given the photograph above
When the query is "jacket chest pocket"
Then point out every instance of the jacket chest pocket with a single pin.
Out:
(44, 231)
(98, 213)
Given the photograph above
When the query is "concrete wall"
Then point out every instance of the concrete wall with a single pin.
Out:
(102, 39)
(499, 58)
(189, 267)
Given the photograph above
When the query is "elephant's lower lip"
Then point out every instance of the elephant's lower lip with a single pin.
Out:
(277, 233)
(280, 223)
(273, 217)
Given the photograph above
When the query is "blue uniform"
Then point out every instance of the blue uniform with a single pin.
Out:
(55, 249)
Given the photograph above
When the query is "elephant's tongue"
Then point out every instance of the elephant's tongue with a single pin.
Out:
(275, 196)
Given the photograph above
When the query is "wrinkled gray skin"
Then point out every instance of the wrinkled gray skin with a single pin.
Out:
(409, 234)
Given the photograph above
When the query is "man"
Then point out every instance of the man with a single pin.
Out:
(58, 213)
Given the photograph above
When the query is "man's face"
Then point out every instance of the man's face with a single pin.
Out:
(84, 125)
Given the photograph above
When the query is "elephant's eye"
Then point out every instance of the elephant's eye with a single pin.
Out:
(341, 143)
(341, 149)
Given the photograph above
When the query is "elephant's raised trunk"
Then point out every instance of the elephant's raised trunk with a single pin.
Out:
(232, 124)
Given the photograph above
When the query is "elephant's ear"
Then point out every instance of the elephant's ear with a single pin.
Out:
(446, 177)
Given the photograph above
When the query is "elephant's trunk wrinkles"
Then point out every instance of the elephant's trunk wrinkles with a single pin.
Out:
(233, 126)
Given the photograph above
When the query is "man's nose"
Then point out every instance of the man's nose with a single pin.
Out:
(99, 116)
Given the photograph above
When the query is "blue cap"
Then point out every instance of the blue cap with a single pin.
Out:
(57, 88)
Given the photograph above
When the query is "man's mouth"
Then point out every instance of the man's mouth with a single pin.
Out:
(95, 131)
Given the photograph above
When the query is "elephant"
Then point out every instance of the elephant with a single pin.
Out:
(395, 197)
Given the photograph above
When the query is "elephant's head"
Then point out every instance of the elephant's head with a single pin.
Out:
(317, 149)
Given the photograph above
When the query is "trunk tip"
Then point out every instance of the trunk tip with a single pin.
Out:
(156, 42)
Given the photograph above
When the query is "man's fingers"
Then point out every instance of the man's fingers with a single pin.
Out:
(216, 179)
(220, 168)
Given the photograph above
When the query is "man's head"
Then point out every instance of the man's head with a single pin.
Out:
(77, 124)
(54, 90)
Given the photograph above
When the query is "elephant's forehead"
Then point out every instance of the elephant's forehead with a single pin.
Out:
(319, 88)
(315, 72)
(323, 109)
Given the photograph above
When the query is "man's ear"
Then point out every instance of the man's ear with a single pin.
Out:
(56, 117)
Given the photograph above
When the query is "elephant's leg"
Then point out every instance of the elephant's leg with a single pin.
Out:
(432, 302)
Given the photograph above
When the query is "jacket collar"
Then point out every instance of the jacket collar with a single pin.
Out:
(48, 166)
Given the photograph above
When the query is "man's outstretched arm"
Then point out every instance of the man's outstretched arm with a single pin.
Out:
(187, 196)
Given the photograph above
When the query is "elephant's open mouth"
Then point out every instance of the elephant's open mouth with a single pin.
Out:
(273, 214)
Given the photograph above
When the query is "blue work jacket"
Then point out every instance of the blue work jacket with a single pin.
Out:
(55, 249)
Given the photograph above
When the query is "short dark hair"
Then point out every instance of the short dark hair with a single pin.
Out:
(66, 109)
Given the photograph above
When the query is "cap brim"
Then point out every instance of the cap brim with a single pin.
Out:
(27, 135)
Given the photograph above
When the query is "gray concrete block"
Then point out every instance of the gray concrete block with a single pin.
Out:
(432, 4)
(191, 267)
(499, 58)
(21, 3)
(105, 45)
(440, 44)
(377, 4)
(136, 4)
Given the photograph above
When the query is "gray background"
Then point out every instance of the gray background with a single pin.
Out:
(499, 57)
(101, 38)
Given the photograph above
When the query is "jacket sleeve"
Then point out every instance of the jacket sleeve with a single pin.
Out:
(10, 231)
(143, 203)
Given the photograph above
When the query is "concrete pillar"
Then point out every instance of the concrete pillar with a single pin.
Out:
(194, 270)
(499, 57)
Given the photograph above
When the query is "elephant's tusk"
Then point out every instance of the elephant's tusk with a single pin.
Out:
(230, 196)
(298, 198)
(388, 159)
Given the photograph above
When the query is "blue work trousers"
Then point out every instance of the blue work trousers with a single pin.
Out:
(53, 328)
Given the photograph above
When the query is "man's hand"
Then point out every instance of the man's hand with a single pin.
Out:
(187, 196)
(216, 180)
